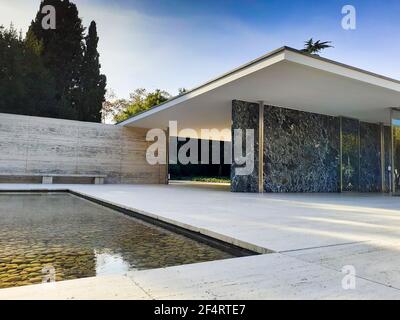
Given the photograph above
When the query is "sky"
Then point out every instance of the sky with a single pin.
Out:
(170, 44)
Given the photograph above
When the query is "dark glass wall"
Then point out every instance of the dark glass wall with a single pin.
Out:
(180, 171)
(388, 158)
(396, 151)
(396, 155)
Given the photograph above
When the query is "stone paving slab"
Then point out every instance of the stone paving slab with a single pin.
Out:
(276, 222)
(316, 235)
(102, 288)
(378, 262)
(273, 276)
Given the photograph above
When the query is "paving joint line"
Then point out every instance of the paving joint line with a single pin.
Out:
(322, 247)
(141, 288)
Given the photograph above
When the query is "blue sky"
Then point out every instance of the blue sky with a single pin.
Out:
(169, 44)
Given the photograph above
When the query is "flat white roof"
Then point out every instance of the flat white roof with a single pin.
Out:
(286, 78)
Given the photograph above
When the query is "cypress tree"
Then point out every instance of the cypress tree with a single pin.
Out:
(93, 83)
(26, 86)
(62, 54)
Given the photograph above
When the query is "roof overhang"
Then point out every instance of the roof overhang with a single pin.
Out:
(285, 78)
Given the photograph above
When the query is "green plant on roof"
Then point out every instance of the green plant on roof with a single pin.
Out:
(316, 47)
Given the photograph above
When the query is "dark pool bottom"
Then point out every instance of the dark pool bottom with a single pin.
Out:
(60, 236)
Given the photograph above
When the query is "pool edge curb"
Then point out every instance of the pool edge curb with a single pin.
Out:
(228, 244)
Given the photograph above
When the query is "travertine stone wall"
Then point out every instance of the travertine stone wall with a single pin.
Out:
(43, 145)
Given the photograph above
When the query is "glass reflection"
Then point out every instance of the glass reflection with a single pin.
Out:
(396, 151)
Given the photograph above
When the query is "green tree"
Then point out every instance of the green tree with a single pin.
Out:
(62, 54)
(141, 101)
(26, 86)
(112, 106)
(316, 47)
(93, 84)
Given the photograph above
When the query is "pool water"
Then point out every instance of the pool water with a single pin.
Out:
(54, 237)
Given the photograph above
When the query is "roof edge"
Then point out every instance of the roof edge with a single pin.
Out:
(257, 60)
(248, 64)
(340, 64)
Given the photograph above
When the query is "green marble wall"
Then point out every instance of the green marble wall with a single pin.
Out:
(350, 154)
(245, 115)
(302, 151)
(370, 158)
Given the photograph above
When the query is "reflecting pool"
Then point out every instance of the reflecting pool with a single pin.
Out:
(54, 237)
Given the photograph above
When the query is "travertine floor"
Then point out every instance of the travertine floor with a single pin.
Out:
(314, 237)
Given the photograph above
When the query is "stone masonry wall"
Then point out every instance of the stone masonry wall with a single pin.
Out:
(245, 115)
(33, 145)
(301, 151)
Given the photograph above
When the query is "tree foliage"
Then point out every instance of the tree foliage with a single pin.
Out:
(25, 84)
(316, 47)
(112, 106)
(62, 54)
(141, 100)
(52, 72)
(93, 84)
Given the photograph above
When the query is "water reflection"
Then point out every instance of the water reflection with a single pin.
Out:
(108, 263)
(81, 239)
